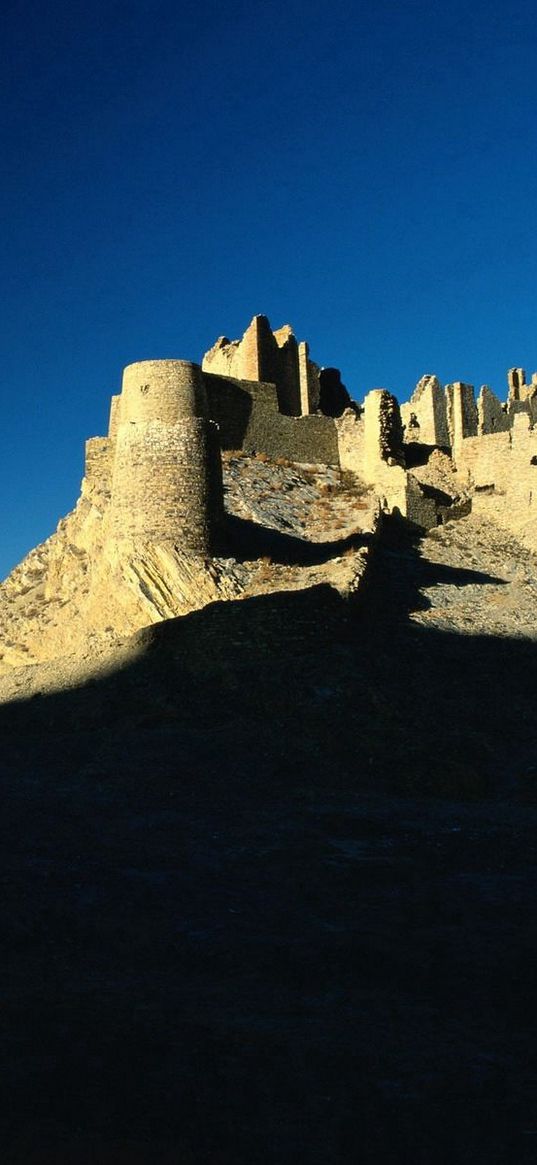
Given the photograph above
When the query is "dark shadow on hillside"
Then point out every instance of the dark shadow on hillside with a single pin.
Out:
(240, 926)
(246, 540)
(399, 571)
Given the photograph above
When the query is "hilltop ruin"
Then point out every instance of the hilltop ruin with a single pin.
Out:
(150, 536)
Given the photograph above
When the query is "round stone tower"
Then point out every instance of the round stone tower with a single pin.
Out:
(167, 477)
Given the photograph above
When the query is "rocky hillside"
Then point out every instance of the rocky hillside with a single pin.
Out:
(269, 862)
(79, 596)
(269, 881)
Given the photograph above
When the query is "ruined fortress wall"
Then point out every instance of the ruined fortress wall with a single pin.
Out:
(248, 418)
(308, 379)
(435, 404)
(491, 417)
(428, 406)
(223, 358)
(383, 432)
(350, 430)
(516, 383)
(115, 409)
(507, 464)
(259, 353)
(261, 356)
(504, 461)
(432, 415)
(272, 358)
(383, 461)
(164, 390)
(98, 466)
(167, 481)
(305, 439)
(288, 382)
(461, 411)
(164, 483)
(486, 459)
(255, 350)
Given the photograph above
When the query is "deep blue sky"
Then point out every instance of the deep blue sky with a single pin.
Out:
(366, 172)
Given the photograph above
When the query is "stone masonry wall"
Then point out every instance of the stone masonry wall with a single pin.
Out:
(461, 411)
(167, 478)
(428, 406)
(383, 461)
(272, 358)
(487, 459)
(501, 460)
(164, 390)
(164, 484)
(115, 408)
(350, 429)
(491, 416)
(248, 419)
(504, 467)
(98, 467)
(383, 432)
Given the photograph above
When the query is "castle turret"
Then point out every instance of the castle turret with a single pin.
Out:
(167, 477)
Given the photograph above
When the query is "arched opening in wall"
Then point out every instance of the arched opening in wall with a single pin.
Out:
(533, 461)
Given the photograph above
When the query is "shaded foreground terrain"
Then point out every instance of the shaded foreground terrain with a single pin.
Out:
(270, 888)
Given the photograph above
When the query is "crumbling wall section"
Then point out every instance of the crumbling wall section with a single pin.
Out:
(97, 480)
(383, 463)
(425, 414)
(383, 432)
(350, 428)
(262, 356)
(288, 374)
(492, 417)
(115, 408)
(502, 460)
(502, 467)
(309, 383)
(516, 384)
(274, 358)
(461, 411)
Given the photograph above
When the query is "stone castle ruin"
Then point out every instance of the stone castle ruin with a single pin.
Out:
(148, 538)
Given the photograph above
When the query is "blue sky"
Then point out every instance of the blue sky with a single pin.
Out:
(366, 172)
